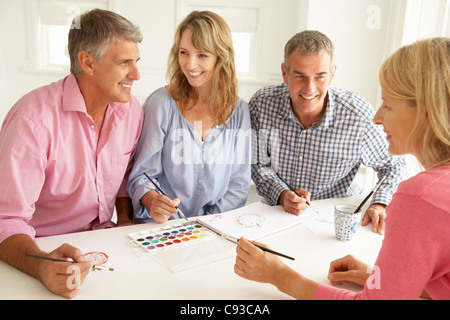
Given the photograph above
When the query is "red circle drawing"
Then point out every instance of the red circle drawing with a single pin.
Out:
(99, 258)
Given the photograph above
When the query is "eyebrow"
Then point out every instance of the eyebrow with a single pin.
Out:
(317, 74)
(128, 60)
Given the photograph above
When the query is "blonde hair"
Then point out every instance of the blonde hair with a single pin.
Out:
(420, 74)
(210, 33)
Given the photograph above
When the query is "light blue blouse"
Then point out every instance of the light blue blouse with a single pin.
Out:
(208, 176)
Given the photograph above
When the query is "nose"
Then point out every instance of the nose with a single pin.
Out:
(309, 86)
(192, 62)
(134, 73)
(378, 118)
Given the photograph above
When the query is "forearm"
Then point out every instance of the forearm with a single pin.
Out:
(14, 249)
(267, 183)
(294, 284)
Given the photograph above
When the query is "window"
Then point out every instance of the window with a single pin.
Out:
(242, 42)
(242, 17)
(50, 21)
(425, 19)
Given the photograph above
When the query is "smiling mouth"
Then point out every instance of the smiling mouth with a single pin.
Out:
(195, 74)
(308, 97)
(125, 85)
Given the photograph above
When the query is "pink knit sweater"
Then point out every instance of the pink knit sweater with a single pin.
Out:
(415, 254)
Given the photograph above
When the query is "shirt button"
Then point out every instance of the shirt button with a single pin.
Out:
(92, 126)
(200, 180)
(301, 157)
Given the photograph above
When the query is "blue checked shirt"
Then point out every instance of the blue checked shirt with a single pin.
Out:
(325, 157)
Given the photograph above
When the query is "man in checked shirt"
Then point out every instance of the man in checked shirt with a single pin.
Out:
(316, 137)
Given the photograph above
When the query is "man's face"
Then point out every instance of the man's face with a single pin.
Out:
(115, 73)
(308, 79)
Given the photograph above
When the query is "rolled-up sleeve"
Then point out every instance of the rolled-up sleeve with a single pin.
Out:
(22, 175)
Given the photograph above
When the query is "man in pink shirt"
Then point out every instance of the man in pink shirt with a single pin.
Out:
(67, 150)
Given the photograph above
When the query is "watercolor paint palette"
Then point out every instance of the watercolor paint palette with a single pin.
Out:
(182, 246)
(170, 236)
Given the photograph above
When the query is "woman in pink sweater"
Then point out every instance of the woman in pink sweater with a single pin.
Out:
(414, 259)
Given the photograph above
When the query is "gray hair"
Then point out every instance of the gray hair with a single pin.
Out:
(93, 31)
(309, 42)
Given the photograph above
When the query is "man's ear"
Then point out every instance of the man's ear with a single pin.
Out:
(86, 62)
(332, 74)
(284, 73)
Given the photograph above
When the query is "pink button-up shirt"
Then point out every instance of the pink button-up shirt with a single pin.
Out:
(58, 173)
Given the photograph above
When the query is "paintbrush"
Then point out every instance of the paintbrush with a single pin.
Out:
(48, 258)
(62, 260)
(162, 192)
(236, 241)
(293, 190)
(370, 194)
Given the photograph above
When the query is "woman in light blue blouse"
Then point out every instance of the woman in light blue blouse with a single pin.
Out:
(196, 138)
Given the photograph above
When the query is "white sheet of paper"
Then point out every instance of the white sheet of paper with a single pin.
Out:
(121, 256)
(253, 221)
(322, 223)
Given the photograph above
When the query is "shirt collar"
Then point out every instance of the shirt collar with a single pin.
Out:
(73, 100)
(328, 117)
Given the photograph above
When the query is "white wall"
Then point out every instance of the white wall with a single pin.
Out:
(362, 31)
(358, 30)
(157, 19)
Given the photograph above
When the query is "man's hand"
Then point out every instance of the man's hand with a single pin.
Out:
(63, 278)
(377, 214)
(292, 203)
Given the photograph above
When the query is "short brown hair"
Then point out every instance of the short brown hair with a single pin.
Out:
(94, 30)
(309, 42)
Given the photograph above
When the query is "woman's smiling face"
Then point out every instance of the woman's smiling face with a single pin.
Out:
(197, 66)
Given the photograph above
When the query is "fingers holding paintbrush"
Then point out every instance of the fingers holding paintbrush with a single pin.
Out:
(290, 203)
(160, 206)
(165, 211)
(293, 203)
(255, 265)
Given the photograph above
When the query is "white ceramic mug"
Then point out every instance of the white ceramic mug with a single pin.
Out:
(346, 221)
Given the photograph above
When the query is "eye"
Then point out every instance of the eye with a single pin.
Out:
(182, 52)
(203, 55)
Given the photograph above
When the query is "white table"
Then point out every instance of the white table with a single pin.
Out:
(149, 280)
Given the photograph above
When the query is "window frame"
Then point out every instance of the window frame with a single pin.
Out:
(38, 44)
(184, 7)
